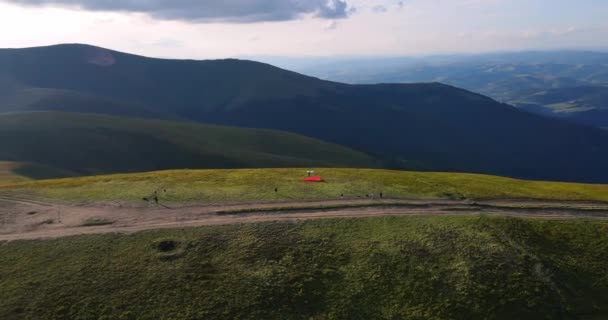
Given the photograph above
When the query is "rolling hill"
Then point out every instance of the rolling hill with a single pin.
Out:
(11, 172)
(91, 144)
(409, 126)
(48, 99)
(254, 185)
(587, 104)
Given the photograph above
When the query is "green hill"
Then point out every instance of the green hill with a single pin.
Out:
(410, 126)
(11, 172)
(8, 172)
(45, 99)
(458, 267)
(252, 185)
(90, 144)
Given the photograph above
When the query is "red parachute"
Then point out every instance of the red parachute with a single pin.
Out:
(312, 179)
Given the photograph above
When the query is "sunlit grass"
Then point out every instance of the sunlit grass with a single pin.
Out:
(220, 186)
(8, 174)
(449, 267)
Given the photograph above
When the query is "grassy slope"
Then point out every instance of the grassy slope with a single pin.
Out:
(23, 99)
(8, 174)
(259, 184)
(87, 143)
(13, 172)
(389, 268)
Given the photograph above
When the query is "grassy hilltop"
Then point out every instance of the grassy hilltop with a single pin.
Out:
(221, 186)
(458, 267)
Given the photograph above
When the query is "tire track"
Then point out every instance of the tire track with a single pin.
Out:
(70, 220)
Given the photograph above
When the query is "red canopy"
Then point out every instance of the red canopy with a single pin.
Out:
(313, 179)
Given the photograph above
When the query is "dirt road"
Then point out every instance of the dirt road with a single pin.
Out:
(27, 219)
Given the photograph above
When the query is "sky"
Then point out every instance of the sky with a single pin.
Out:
(200, 29)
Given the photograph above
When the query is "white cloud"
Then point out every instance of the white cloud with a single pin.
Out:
(420, 27)
(240, 11)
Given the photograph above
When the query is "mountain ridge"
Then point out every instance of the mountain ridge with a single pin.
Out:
(428, 126)
(511, 77)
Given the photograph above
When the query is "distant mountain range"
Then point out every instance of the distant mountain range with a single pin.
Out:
(407, 126)
(565, 84)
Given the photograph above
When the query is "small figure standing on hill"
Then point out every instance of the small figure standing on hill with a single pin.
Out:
(276, 190)
(153, 196)
(381, 195)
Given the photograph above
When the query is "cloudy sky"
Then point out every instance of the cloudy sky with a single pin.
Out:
(229, 28)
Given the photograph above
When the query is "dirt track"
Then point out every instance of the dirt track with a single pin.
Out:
(26, 219)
